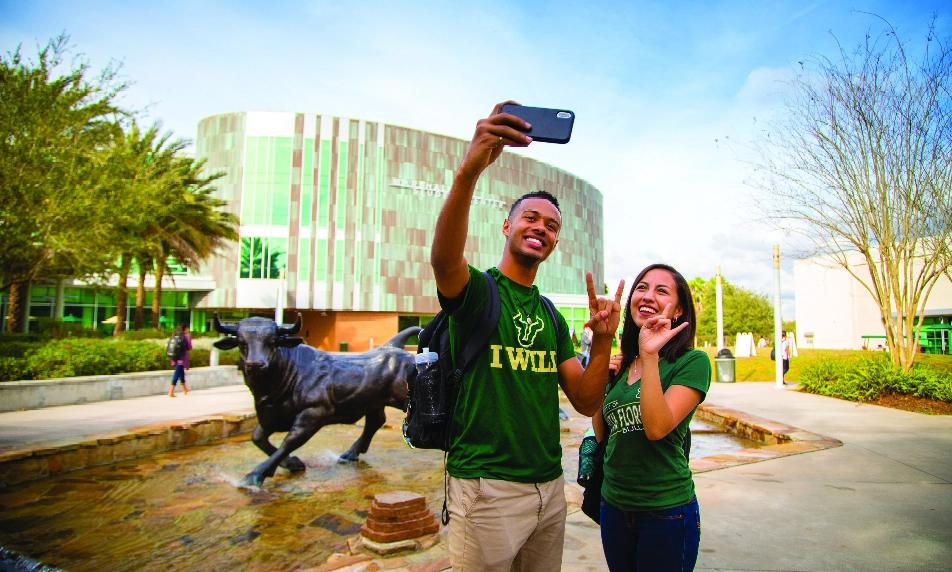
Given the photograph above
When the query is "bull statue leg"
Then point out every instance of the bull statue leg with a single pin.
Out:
(372, 421)
(261, 438)
(306, 424)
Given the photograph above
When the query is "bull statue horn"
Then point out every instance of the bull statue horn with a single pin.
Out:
(223, 329)
(284, 330)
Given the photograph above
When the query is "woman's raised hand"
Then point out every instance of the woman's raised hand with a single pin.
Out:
(656, 332)
(604, 313)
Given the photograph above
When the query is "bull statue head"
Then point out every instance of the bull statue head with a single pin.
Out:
(257, 339)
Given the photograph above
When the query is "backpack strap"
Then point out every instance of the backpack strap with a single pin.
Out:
(554, 314)
(477, 341)
(483, 331)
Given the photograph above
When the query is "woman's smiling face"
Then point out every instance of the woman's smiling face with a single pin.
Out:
(649, 297)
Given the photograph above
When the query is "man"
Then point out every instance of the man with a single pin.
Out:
(506, 497)
(586, 347)
(785, 354)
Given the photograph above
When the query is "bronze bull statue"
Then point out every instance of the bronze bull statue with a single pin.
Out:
(300, 389)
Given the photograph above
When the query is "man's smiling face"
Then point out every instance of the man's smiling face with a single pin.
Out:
(532, 231)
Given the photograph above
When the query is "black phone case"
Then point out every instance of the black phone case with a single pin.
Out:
(548, 125)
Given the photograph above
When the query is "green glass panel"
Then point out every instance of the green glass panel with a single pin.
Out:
(261, 162)
(305, 210)
(307, 156)
(304, 258)
(257, 246)
(244, 270)
(324, 190)
(342, 185)
(278, 257)
(282, 155)
(106, 298)
(581, 314)
(248, 191)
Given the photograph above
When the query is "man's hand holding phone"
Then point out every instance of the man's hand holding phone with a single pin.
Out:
(492, 135)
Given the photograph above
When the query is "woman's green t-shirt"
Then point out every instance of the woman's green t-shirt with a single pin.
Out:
(641, 474)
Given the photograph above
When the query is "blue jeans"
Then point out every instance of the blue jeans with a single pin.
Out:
(178, 375)
(651, 541)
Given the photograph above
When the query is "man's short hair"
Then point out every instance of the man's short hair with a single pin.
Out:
(536, 195)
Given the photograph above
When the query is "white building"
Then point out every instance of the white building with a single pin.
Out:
(835, 311)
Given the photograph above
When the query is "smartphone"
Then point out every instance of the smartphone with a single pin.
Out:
(548, 125)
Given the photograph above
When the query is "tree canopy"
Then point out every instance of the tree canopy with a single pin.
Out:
(859, 164)
(744, 311)
(84, 191)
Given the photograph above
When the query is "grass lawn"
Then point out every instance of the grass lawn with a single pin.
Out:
(761, 368)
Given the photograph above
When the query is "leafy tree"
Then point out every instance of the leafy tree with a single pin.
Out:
(744, 311)
(860, 165)
(52, 131)
(137, 175)
(189, 223)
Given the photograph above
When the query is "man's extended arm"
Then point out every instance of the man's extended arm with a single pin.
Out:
(585, 388)
(492, 135)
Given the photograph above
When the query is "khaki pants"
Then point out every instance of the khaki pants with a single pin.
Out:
(501, 526)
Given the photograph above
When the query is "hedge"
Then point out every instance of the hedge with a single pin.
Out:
(868, 378)
(88, 356)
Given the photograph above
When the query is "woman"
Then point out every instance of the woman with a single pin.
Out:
(649, 514)
(181, 362)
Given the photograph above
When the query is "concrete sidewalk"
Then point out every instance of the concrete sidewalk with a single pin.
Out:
(882, 501)
(65, 421)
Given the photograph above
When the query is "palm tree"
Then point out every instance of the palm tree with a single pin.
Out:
(190, 227)
(138, 169)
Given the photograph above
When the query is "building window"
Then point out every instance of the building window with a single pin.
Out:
(262, 257)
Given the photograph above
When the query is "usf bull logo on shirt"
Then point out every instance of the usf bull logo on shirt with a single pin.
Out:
(527, 327)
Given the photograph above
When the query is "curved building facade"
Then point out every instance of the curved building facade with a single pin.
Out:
(347, 209)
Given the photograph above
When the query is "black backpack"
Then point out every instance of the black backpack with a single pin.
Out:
(175, 349)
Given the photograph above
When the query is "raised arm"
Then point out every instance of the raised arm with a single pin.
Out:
(452, 226)
(661, 411)
(585, 388)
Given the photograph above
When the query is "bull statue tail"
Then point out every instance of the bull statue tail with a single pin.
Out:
(400, 340)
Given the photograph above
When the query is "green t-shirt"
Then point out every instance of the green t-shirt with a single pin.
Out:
(641, 474)
(506, 422)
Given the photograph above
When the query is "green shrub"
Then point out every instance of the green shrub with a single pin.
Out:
(200, 358)
(158, 334)
(18, 349)
(13, 369)
(868, 378)
(86, 356)
(146, 334)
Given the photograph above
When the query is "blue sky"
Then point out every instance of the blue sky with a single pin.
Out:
(653, 85)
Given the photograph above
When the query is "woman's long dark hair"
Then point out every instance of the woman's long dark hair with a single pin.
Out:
(679, 344)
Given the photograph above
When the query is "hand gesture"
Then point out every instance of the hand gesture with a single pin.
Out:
(656, 332)
(492, 135)
(614, 363)
(604, 313)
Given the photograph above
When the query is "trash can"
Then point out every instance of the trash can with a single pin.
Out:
(343, 346)
(724, 371)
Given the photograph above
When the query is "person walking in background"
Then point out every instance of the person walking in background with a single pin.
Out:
(785, 355)
(506, 488)
(585, 349)
(650, 520)
(177, 352)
